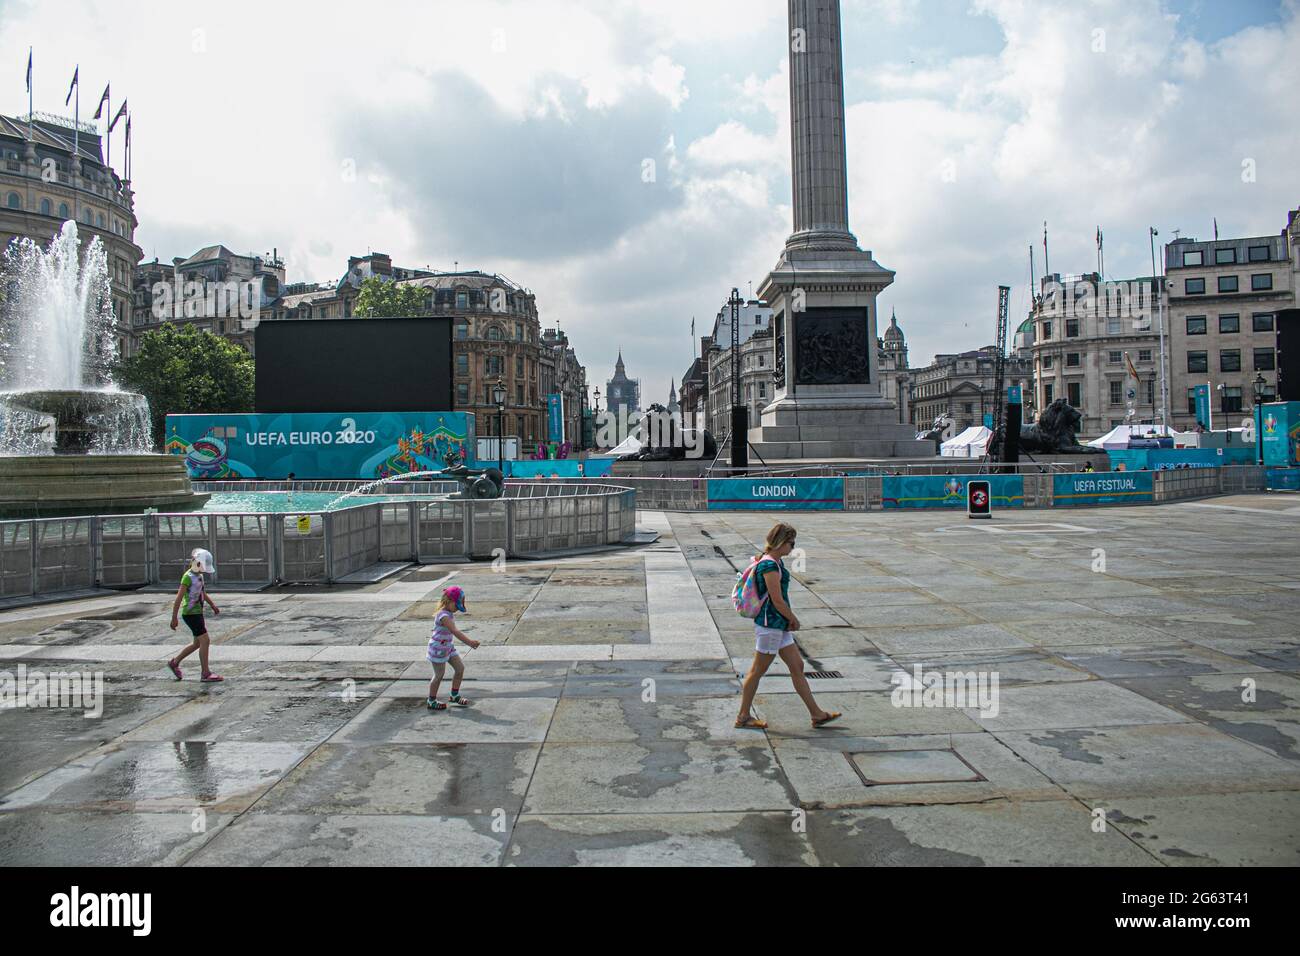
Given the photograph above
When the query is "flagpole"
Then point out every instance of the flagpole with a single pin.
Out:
(30, 107)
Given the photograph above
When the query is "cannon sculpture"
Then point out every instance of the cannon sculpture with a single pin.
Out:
(479, 483)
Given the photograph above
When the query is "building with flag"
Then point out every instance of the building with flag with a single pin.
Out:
(1095, 344)
(1222, 315)
(53, 169)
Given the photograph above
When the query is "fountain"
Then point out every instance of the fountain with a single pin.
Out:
(70, 440)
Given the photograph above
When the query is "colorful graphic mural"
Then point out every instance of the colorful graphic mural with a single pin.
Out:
(360, 445)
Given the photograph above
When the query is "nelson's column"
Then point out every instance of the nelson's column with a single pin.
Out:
(827, 399)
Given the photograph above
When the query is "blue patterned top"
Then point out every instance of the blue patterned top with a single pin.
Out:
(769, 616)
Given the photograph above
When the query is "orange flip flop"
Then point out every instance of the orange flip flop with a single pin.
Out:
(831, 715)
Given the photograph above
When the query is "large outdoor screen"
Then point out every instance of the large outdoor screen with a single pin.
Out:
(359, 365)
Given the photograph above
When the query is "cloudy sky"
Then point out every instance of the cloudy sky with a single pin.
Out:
(629, 162)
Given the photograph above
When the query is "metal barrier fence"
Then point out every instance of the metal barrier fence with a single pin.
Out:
(864, 493)
(53, 555)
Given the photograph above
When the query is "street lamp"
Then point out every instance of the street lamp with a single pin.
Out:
(1259, 385)
(499, 396)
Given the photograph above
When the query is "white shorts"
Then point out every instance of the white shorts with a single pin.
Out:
(770, 640)
(434, 658)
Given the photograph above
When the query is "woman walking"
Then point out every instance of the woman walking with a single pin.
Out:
(773, 631)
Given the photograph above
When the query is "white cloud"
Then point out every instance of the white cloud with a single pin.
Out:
(535, 117)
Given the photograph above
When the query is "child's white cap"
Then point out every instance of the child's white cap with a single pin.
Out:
(203, 560)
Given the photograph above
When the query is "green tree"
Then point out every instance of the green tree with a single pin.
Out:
(181, 369)
(381, 299)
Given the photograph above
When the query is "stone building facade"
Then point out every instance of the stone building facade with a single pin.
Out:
(961, 386)
(214, 290)
(44, 182)
(1223, 296)
(1082, 334)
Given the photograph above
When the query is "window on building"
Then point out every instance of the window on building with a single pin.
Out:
(1191, 401)
(762, 389)
(462, 330)
(1071, 359)
(1071, 328)
(1193, 258)
(1049, 392)
(1230, 360)
(1196, 325)
(99, 221)
(1262, 322)
(462, 363)
(967, 407)
(1047, 330)
(1194, 286)
(462, 300)
(1198, 361)
(1114, 357)
(1229, 323)
(1113, 325)
(1227, 283)
(519, 365)
(519, 393)
(45, 207)
(462, 393)
(1074, 393)
(494, 333)
(1144, 355)
(1225, 257)
(1116, 392)
(1047, 361)
(1262, 282)
(14, 201)
(493, 365)
(1265, 360)
(63, 210)
(519, 331)
(1230, 398)
(1268, 394)
(1151, 392)
(1257, 254)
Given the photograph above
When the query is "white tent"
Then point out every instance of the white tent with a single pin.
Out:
(972, 443)
(1118, 437)
(628, 446)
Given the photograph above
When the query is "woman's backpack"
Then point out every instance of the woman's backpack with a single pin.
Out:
(744, 597)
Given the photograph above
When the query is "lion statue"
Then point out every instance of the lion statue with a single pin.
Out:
(665, 439)
(1054, 432)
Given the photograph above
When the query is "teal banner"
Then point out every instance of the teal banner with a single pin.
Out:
(555, 417)
(949, 491)
(776, 494)
(1280, 432)
(358, 445)
(1201, 394)
(1103, 488)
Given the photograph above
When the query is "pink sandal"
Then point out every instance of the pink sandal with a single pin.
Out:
(175, 669)
(210, 678)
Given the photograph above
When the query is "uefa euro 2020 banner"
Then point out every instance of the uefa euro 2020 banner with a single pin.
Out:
(356, 445)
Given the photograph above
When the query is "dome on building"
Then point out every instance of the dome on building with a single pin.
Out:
(1027, 325)
(893, 335)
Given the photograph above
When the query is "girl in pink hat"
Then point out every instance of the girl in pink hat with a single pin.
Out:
(442, 649)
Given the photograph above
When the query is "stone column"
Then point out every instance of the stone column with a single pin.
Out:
(817, 154)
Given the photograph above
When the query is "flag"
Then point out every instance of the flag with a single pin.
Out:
(102, 100)
(1216, 227)
(1099, 237)
(75, 83)
(29, 69)
(1131, 369)
(121, 111)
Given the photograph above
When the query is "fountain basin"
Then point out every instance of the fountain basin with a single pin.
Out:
(43, 486)
(80, 414)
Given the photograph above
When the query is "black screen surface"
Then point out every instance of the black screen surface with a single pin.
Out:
(1288, 355)
(354, 365)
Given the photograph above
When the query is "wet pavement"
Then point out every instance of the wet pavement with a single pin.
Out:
(1143, 667)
